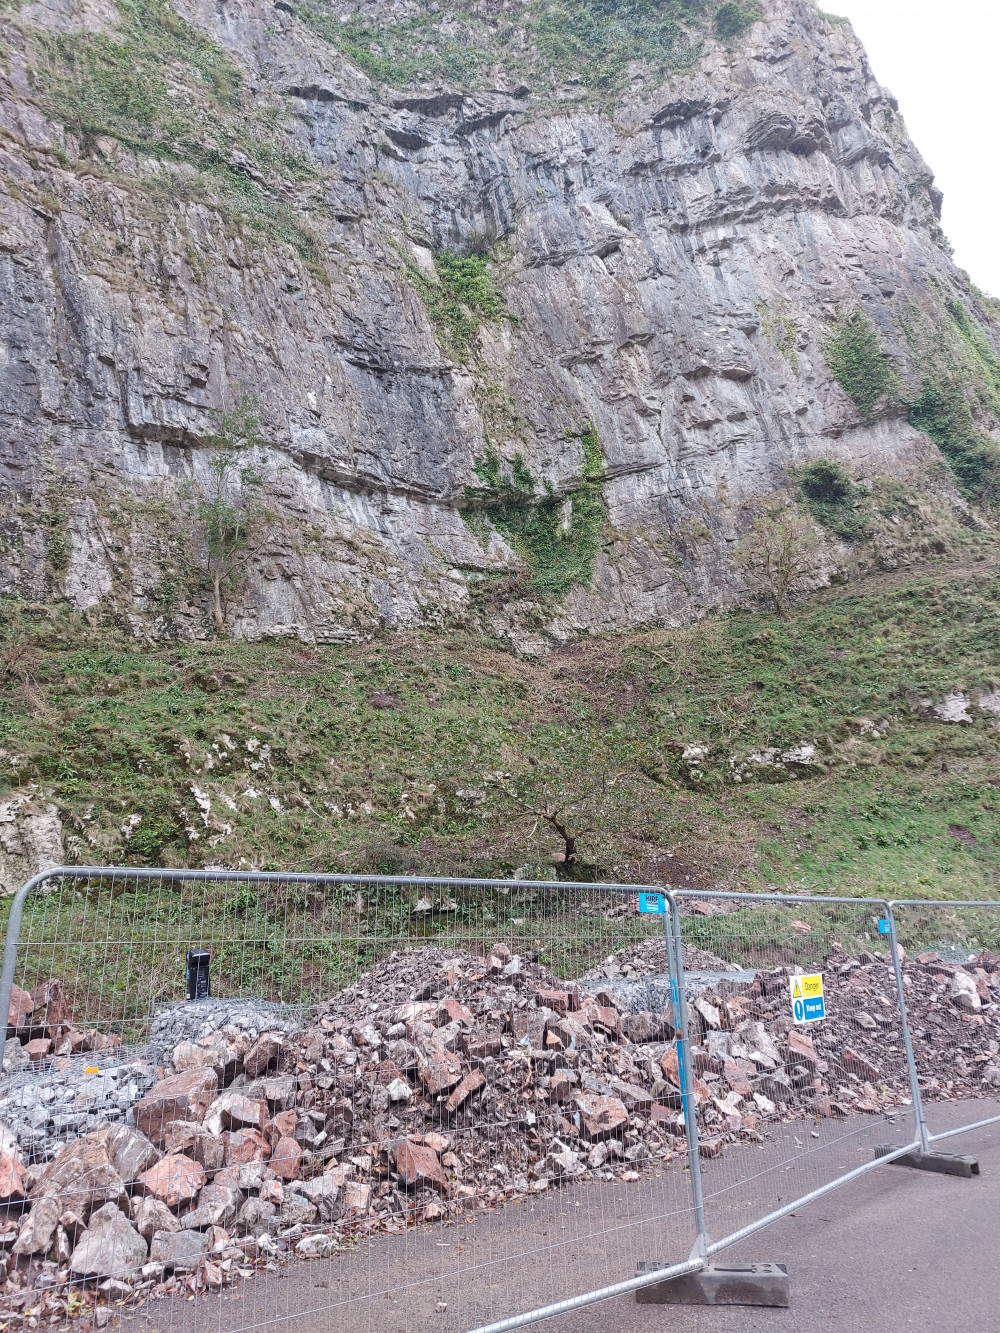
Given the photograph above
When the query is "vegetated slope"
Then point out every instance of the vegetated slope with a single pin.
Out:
(517, 317)
(850, 747)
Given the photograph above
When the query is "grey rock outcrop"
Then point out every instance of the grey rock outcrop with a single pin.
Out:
(670, 267)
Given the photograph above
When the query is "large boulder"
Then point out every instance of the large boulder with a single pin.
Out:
(218, 1205)
(178, 1249)
(150, 1215)
(195, 1141)
(111, 1247)
(83, 1177)
(130, 1152)
(174, 1180)
(185, 1096)
(234, 1111)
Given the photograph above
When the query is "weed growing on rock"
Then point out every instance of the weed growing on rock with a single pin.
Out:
(557, 536)
(732, 19)
(589, 42)
(860, 365)
(463, 296)
(227, 506)
(959, 398)
(162, 88)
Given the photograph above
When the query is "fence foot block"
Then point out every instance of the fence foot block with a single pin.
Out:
(944, 1163)
(719, 1284)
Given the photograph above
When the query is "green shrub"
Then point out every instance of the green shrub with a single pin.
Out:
(161, 87)
(589, 41)
(959, 396)
(833, 499)
(859, 364)
(733, 19)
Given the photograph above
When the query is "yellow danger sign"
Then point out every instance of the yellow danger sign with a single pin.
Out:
(807, 987)
(808, 1003)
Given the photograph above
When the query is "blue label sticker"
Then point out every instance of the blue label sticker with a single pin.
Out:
(883, 927)
(652, 902)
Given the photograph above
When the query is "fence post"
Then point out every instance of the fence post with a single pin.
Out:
(672, 930)
(13, 938)
(919, 1123)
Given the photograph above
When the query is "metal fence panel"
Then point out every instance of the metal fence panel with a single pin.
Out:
(952, 982)
(423, 1110)
(414, 1103)
(789, 1101)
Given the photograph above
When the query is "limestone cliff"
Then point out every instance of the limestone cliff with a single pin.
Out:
(501, 294)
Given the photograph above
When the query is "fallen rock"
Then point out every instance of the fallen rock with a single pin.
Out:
(111, 1247)
(38, 1229)
(83, 1177)
(232, 1110)
(175, 1180)
(286, 1159)
(416, 1165)
(964, 994)
(129, 1152)
(600, 1117)
(150, 1215)
(439, 1070)
(246, 1145)
(13, 1179)
(472, 1082)
(194, 1141)
(185, 1096)
(263, 1053)
(216, 1055)
(178, 1249)
(326, 1193)
(218, 1206)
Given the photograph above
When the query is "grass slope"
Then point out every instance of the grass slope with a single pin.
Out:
(443, 754)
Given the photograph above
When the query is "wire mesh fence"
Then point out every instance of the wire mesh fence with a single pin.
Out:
(800, 1055)
(952, 975)
(404, 1102)
(412, 1103)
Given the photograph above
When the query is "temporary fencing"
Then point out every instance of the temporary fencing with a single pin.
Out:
(471, 1104)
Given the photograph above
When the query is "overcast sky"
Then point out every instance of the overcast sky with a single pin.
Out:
(941, 58)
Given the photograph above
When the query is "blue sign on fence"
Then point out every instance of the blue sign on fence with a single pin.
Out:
(883, 927)
(652, 902)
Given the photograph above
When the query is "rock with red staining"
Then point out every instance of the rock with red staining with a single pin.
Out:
(600, 1117)
(174, 1180)
(185, 1096)
(416, 1164)
(286, 1159)
(471, 1083)
(246, 1145)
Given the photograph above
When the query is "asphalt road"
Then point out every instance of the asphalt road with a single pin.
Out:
(896, 1250)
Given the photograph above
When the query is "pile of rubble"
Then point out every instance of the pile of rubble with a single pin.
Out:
(435, 1085)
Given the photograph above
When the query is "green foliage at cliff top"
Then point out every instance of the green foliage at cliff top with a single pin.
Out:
(163, 88)
(545, 43)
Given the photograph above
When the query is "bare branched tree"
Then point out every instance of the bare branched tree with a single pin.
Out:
(551, 800)
(779, 553)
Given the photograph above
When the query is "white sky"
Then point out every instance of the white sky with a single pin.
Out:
(941, 59)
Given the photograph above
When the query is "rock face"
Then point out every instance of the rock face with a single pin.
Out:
(669, 264)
